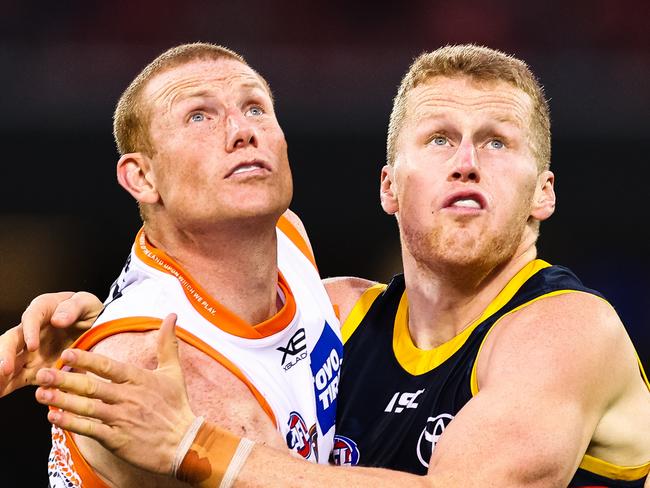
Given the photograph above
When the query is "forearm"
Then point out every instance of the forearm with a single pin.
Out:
(216, 455)
(267, 467)
(116, 472)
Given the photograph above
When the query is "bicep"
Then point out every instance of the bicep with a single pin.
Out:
(540, 396)
(508, 438)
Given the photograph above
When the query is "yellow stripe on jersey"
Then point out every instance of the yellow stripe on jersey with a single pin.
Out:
(612, 471)
(474, 377)
(359, 310)
(418, 361)
(645, 377)
(589, 463)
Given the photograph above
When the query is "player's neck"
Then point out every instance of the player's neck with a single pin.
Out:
(443, 303)
(236, 266)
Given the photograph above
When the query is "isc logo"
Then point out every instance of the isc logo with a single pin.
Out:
(400, 401)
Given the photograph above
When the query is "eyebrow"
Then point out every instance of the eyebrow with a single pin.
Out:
(201, 93)
(254, 84)
(193, 94)
(501, 118)
(509, 119)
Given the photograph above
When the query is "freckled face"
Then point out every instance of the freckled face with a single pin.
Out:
(465, 176)
(219, 152)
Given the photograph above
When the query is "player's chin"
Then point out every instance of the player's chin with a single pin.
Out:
(268, 204)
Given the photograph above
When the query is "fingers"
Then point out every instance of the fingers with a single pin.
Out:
(82, 394)
(78, 308)
(74, 403)
(38, 314)
(103, 366)
(80, 425)
(11, 343)
(168, 344)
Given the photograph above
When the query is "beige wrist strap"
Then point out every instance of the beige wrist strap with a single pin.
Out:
(214, 458)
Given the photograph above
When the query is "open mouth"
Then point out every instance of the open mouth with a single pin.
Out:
(248, 167)
(466, 200)
(466, 203)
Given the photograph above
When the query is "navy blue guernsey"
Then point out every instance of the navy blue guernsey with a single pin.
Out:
(391, 414)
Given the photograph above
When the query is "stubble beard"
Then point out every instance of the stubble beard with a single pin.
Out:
(461, 253)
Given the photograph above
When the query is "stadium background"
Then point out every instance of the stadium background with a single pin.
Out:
(334, 67)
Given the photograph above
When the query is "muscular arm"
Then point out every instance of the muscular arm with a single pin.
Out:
(548, 375)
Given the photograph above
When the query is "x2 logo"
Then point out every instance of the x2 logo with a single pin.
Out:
(296, 348)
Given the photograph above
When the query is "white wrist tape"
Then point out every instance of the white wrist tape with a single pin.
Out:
(186, 443)
(243, 451)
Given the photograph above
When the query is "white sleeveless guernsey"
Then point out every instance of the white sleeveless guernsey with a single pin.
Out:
(290, 362)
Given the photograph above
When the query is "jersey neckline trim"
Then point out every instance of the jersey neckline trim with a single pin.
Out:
(209, 308)
(359, 310)
(418, 361)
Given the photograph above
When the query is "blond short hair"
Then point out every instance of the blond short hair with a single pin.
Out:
(132, 116)
(480, 64)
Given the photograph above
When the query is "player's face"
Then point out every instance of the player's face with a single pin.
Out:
(465, 178)
(219, 153)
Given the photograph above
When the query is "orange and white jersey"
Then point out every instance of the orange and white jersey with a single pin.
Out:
(290, 362)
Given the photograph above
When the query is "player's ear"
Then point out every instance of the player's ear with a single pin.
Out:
(135, 175)
(387, 193)
(544, 199)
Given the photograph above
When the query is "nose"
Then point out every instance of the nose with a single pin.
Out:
(240, 131)
(465, 165)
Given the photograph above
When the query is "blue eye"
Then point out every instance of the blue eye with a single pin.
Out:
(255, 111)
(439, 141)
(496, 144)
(198, 117)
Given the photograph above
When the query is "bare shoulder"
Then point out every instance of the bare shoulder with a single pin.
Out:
(345, 291)
(569, 340)
(214, 390)
(137, 348)
(564, 317)
(294, 220)
(549, 374)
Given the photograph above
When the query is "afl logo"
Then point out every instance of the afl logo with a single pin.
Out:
(430, 435)
(345, 451)
(298, 435)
